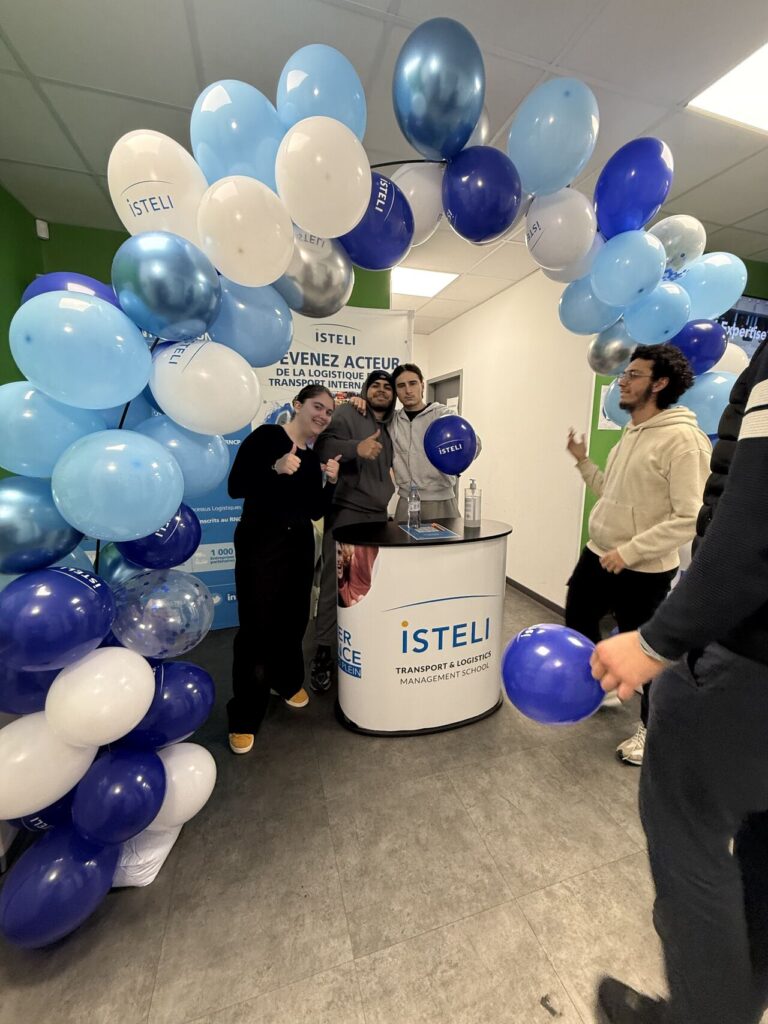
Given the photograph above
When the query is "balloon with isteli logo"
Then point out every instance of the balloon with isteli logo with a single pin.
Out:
(450, 444)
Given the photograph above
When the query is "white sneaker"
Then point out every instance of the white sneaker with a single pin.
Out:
(631, 751)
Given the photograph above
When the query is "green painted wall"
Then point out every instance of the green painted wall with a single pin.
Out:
(82, 250)
(372, 289)
(19, 262)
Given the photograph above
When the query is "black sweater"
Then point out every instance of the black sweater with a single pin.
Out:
(723, 597)
(277, 498)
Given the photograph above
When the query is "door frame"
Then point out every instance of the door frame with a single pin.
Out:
(431, 381)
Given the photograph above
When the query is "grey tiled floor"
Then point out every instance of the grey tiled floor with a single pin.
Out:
(487, 875)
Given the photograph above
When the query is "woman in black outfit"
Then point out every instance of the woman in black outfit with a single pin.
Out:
(285, 487)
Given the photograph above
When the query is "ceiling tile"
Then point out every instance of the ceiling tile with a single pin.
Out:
(510, 261)
(62, 197)
(141, 49)
(29, 132)
(621, 119)
(7, 63)
(507, 83)
(445, 251)
(474, 289)
(97, 120)
(440, 307)
(759, 222)
(427, 324)
(731, 196)
(408, 301)
(760, 256)
(740, 243)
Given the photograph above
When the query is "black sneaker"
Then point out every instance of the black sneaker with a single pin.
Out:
(617, 1003)
(321, 670)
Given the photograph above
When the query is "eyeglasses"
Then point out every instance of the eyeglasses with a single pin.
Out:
(633, 375)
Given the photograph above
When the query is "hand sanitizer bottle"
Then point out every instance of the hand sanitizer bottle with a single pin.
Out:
(472, 498)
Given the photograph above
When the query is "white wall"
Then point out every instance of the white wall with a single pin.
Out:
(525, 382)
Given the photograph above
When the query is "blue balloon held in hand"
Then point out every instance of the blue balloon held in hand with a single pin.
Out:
(184, 696)
(481, 193)
(119, 795)
(632, 186)
(318, 81)
(67, 281)
(547, 675)
(170, 545)
(256, 322)
(703, 344)
(33, 533)
(450, 444)
(384, 235)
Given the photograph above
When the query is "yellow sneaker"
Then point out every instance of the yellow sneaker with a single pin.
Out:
(298, 700)
(240, 742)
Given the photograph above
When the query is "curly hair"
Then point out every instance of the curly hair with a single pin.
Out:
(668, 361)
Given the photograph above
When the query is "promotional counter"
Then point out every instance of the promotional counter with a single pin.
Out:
(419, 625)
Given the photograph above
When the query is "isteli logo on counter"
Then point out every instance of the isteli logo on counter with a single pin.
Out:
(444, 638)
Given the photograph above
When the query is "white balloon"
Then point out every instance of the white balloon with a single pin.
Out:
(155, 184)
(575, 271)
(101, 697)
(560, 228)
(245, 231)
(422, 185)
(733, 360)
(684, 239)
(205, 387)
(190, 775)
(323, 176)
(37, 767)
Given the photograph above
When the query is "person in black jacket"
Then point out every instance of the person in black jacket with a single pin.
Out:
(704, 785)
(285, 486)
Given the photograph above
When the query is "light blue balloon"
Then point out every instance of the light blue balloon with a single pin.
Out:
(235, 130)
(628, 268)
(35, 430)
(708, 398)
(553, 134)
(33, 533)
(714, 282)
(76, 559)
(318, 81)
(166, 285)
(117, 485)
(256, 322)
(582, 312)
(139, 410)
(611, 408)
(659, 317)
(202, 458)
(80, 350)
(438, 87)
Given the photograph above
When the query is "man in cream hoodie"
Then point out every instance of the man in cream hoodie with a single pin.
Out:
(649, 498)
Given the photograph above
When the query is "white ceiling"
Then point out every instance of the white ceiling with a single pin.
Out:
(76, 75)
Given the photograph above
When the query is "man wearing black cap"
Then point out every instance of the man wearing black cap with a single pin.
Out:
(362, 494)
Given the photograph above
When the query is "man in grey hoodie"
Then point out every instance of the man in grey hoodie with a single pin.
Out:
(362, 495)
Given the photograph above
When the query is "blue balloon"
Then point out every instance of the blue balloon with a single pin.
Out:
(202, 458)
(256, 322)
(628, 268)
(632, 186)
(547, 675)
(56, 815)
(115, 569)
(184, 696)
(162, 613)
(170, 545)
(553, 134)
(76, 559)
(35, 429)
(658, 318)
(703, 344)
(708, 398)
(67, 281)
(450, 444)
(714, 282)
(438, 87)
(235, 130)
(119, 795)
(166, 285)
(23, 693)
(612, 407)
(53, 887)
(53, 617)
(80, 350)
(383, 237)
(33, 533)
(318, 81)
(582, 312)
(481, 193)
(117, 485)
(139, 410)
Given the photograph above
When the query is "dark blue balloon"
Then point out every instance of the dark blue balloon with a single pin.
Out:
(53, 617)
(22, 693)
(384, 235)
(184, 696)
(481, 193)
(66, 281)
(119, 795)
(547, 675)
(450, 444)
(54, 887)
(702, 342)
(54, 816)
(171, 545)
(632, 186)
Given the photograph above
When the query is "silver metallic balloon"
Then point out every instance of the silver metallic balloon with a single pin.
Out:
(320, 277)
(114, 568)
(610, 351)
(33, 533)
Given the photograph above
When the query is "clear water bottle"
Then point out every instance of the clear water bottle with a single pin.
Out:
(414, 506)
(472, 497)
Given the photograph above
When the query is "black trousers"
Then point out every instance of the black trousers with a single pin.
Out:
(273, 578)
(631, 597)
(704, 782)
